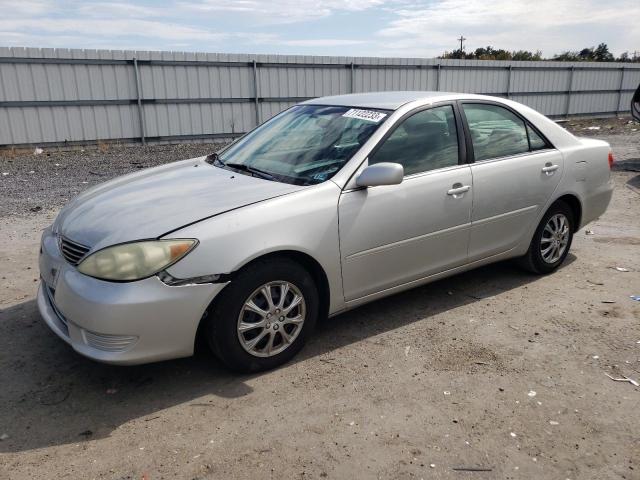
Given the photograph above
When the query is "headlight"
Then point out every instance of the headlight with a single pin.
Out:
(136, 260)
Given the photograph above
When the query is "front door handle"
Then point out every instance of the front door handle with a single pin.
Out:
(549, 168)
(458, 189)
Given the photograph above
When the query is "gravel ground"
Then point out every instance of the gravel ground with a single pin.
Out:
(622, 133)
(492, 369)
(602, 126)
(46, 181)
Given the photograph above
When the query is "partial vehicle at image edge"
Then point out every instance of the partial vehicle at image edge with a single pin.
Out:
(333, 203)
(635, 104)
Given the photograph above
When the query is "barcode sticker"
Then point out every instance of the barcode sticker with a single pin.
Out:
(368, 115)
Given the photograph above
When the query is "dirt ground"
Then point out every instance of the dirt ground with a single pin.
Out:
(493, 369)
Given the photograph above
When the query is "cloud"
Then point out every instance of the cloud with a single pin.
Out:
(113, 28)
(550, 25)
(281, 11)
(121, 10)
(320, 42)
(351, 27)
(186, 24)
(13, 9)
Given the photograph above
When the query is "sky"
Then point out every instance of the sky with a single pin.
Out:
(398, 28)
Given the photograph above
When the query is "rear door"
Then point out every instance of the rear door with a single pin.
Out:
(515, 172)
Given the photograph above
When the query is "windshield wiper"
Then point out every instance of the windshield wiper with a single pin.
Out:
(247, 168)
(214, 159)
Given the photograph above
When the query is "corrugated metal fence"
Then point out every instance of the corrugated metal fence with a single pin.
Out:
(60, 96)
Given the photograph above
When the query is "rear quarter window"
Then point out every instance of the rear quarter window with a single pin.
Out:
(536, 141)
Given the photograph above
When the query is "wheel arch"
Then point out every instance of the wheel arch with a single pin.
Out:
(311, 265)
(575, 205)
(305, 260)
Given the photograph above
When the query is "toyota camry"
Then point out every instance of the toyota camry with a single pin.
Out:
(333, 203)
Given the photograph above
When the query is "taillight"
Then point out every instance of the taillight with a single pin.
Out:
(611, 160)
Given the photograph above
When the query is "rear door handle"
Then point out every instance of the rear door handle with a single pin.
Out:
(458, 189)
(549, 168)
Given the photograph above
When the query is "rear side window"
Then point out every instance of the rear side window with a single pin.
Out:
(536, 141)
(425, 141)
(495, 131)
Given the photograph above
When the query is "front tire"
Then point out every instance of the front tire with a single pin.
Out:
(551, 241)
(264, 316)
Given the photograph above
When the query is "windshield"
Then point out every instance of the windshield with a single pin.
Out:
(304, 145)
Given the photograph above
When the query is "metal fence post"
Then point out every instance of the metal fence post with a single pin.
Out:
(353, 83)
(139, 98)
(618, 110)
(509, 81)
(255, 92)
(438, 79)
(569, 91)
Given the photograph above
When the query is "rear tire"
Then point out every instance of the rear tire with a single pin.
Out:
(551, 241)
(243, 312)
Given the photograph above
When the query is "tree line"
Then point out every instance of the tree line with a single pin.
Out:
(600, 53)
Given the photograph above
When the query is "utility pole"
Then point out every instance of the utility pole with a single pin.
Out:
(461, 39)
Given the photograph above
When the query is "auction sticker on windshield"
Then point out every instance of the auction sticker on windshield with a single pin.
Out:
(368, 115)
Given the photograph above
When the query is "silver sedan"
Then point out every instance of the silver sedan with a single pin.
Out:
(331, 204)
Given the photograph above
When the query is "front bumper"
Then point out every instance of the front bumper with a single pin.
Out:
(120, 323)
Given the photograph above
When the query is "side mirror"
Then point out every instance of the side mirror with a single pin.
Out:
(385, 173)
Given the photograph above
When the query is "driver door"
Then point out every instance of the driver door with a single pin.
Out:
(392, 235)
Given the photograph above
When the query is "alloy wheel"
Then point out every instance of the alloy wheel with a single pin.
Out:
(271, 318)
(555, 238)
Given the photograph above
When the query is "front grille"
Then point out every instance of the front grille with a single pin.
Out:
(71, 251)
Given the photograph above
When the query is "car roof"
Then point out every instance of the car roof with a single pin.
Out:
(386, 100)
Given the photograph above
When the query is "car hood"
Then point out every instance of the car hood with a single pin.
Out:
(155, 201)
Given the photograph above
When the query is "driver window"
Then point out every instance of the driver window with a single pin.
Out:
(425, 141)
